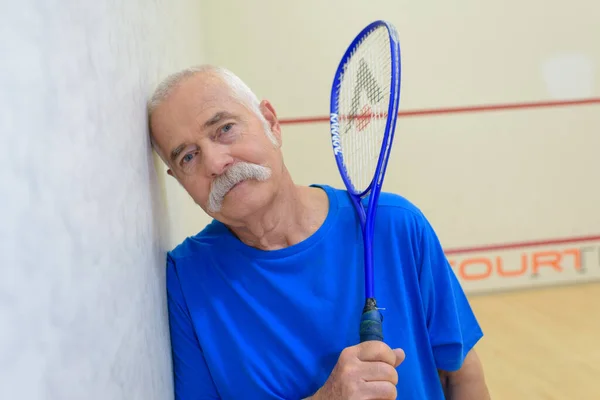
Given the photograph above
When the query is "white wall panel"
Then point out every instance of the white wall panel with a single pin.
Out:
(82, 298)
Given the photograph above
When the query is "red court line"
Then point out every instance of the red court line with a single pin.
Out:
(522, 245)
(465, 109)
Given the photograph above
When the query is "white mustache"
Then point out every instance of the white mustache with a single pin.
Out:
(235, 174)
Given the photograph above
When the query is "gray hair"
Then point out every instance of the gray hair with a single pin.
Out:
(239, 89)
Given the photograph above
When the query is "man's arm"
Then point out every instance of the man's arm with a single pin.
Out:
(453, 328)
(192, 379)
(468, 382)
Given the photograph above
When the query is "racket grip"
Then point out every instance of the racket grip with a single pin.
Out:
(371, 322)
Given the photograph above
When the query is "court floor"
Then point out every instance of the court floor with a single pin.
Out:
(541, 343)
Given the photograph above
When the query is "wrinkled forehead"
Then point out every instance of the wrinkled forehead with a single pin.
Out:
(189, 106)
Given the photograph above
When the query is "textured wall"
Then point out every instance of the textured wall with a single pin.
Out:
(82, 308)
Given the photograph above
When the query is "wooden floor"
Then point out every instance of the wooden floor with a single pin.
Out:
(541, 343)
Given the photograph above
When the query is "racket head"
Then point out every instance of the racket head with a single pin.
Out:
(364, 107)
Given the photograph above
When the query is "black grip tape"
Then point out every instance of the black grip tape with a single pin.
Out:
(371, 322)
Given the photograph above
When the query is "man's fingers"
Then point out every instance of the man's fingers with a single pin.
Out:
(380, 371)
(399, 357)
(380, 390)
(374, 350)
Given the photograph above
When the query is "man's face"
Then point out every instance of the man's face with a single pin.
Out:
(204, 134)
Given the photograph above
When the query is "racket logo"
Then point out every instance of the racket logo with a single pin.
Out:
(365, 83)
(335, 134)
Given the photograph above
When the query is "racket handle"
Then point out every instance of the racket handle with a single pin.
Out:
(371, 322)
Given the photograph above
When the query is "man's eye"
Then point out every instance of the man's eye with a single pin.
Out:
(226, 128)
(187, 158)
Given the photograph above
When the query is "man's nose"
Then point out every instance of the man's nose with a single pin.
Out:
(216, 161)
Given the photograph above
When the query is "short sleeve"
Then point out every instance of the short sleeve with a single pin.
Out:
(452, 325)
(192, 380)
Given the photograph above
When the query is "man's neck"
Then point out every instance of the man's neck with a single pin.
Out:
(295, 214)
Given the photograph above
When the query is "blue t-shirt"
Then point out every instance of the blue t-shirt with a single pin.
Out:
(254, 324)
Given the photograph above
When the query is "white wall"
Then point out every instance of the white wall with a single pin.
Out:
(481, 178)
(82, 299)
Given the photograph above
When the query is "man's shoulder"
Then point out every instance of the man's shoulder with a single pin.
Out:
(386, 200)
(400, 218)
(389, 205)
(399, 204)
(200, 244)
(400, 210)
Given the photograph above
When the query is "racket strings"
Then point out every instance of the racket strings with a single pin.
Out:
(363, 105)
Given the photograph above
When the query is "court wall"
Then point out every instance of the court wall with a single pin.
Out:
(517, 184)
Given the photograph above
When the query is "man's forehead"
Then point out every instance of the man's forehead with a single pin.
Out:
(182, 117)
(194, 98)
(203, 96)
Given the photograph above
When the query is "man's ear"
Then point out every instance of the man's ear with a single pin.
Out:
(268, 111)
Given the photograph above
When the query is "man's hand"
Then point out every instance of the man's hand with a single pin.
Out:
(365, 371)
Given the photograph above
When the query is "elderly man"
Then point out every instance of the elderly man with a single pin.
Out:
(265, 301)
